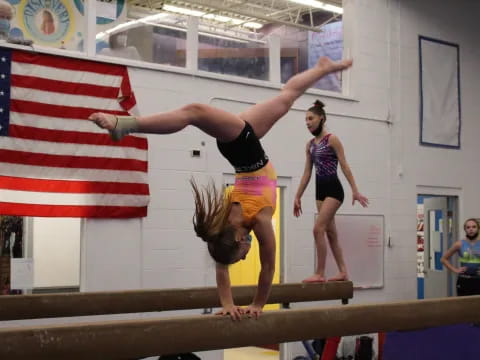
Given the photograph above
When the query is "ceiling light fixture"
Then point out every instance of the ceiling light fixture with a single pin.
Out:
(219, 18)
(319, 5)
(230, 37)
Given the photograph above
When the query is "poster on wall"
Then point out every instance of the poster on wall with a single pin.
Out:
(440, 112)
(61, 23)
(328, 42)
(52, 23)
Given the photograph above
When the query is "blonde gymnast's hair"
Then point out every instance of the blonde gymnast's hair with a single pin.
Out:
(210, 222)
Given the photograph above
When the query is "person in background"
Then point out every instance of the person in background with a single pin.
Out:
(118, 47)
(6, 15)
(48, 23)
(468, 250)
(325, 151)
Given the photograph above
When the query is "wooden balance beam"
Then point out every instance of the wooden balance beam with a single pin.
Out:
(15, 307)
(134, 339)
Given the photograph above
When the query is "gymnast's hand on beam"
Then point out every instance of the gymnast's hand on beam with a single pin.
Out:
(253, 311)
(234, 311)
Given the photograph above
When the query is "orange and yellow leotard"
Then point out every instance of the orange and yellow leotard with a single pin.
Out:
(255, 178)
(255, 190)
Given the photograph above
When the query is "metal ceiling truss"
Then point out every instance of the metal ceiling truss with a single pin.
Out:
(282, 12)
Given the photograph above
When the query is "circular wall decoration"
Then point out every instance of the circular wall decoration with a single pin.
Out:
(47, 21)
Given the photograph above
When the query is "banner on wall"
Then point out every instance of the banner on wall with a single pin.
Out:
(440, 112)
(328, 42)
(60, 23)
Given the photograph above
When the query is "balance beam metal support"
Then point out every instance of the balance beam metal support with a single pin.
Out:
(16, 307)
(142, 338)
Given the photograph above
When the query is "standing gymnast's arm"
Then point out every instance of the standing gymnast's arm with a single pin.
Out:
(448, 254)
(335, 143)
(307, 173)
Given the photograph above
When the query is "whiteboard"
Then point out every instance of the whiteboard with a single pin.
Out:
(362, 241)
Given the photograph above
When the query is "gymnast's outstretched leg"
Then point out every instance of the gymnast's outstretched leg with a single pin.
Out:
(218, 123)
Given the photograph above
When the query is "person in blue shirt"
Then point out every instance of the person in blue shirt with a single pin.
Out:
(468, 250)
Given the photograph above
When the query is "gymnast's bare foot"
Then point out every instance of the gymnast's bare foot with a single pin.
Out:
(105, 121)
(332, 66)
(314, 279)
(341, 276)
(117, 126)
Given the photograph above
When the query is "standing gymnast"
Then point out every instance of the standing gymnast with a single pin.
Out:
(325, 151)
(468, 249)
(225, 224)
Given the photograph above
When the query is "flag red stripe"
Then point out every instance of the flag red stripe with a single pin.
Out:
(97, 211)
(128, 100)
(60, 111)
(57, 86)
(72, 186)
(67, 161)
(68, 63)
(76, 137)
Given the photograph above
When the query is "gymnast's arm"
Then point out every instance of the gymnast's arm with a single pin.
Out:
(337, 146)
(263, 230)
(448, 254)
(225, 293)
(307, 173)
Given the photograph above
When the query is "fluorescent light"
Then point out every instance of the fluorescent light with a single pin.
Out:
(219, 18)
(319, 5)
(183, 11)
(120, 27)
(253, 25)
(333, 8)
(209, 34)
(167, 26)
(311, 3)
(130, 24)
(153, 17)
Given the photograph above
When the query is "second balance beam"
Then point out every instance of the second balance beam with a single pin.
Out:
(17, 307)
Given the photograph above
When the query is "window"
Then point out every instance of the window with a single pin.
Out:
(233, 56)
(155, 37)
(301, 49)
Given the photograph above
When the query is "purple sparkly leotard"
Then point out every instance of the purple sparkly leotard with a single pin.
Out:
(326, 161)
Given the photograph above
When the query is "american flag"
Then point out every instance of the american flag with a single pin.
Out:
(53, 161)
